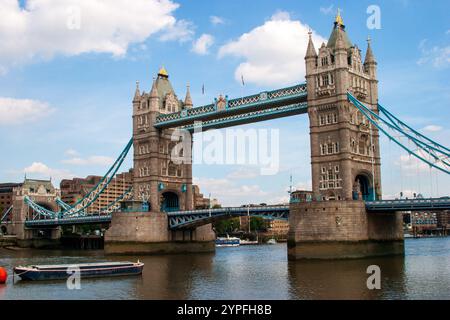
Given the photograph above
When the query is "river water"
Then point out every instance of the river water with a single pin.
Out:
(247, 272)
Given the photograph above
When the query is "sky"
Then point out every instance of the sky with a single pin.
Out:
(68, 71)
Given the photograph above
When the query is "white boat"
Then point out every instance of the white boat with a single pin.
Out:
(271, 241)
(248, 243)
(228, 242)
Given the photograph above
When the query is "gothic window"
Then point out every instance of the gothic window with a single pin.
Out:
(172, 169)
(325, 80)
(361, 146)
(331, 79)
(336, 169)
(323, 149)
(353, 144)
(330, 148)
(335, 120)
(336, 147)
(323, 170)
(179, 172)
(322, 120)
(164, 168)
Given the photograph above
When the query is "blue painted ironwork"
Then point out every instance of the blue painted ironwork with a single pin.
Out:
(48, 223)
(7, 212)
(409, 205)
(264, 100)
(377, 121)
(189, 219)
(111, 207)
(250, 117)
(91, 196)
(394, 120)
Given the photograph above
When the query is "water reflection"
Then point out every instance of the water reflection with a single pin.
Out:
(347, 279)
(253, 272)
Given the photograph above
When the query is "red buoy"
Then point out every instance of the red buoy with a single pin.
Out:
(3, 275)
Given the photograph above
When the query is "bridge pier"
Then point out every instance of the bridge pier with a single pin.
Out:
(148, 233)
(342, 230)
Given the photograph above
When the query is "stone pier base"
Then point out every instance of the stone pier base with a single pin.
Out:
(342, 230)
(148, 233)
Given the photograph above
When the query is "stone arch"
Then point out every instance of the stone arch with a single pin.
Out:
(170, 201)
(363, 187)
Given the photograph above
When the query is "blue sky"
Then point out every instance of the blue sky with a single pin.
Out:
(68, 71)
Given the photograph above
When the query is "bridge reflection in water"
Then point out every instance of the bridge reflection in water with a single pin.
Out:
(249, 272)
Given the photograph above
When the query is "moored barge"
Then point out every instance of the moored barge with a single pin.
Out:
(85, 270)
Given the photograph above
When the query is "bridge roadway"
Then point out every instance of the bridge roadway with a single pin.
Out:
(188, 219)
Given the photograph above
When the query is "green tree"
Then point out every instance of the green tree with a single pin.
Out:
(257, 224)
(227, 226)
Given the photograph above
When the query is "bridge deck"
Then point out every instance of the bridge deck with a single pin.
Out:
(193, 218)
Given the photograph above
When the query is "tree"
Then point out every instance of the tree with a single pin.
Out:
(257, 224)
(227, 226)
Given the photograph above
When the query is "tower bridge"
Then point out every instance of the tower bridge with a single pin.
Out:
(346, 217)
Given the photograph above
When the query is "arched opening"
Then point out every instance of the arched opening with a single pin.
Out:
(170, 202)
(4, 230)
(362, 189)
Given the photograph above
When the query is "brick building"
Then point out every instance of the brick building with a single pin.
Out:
(75, 189)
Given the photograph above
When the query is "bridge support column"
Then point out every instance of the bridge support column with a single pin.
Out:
(342, 230)
(148, 233)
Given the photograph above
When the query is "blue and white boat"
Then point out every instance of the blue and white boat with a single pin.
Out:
(86, 270)
(228, 242)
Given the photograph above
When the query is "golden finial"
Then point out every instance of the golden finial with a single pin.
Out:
(339, 20)
(163, 72)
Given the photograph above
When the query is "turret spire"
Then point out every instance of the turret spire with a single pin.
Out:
(339, 21)
(154, 91)
(370, 58)
(137, 93)
(188, 100)
(311, 50)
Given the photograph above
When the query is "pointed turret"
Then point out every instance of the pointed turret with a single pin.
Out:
(154, 97)
(370, 58)
(339, 28)
(311, 50)
(370, 64)
(188, 100)
(137, 93)
(154, 91)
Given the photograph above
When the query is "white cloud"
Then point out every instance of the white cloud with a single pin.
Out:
(19, 111)
(71, 153)
(45, 28)
(215, 20)
(327, 10)
(273, 52)
(201, 45)
(41, 170)
(244, 173)
(182, 31)
(437, 56)
(433, 128)
(93, 160)
(229, 193)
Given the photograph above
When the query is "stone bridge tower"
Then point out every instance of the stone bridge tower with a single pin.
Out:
(162, 181)
(345, 160)
(345, 151)
(159, 177)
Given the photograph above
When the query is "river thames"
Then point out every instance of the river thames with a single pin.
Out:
(246, 272)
